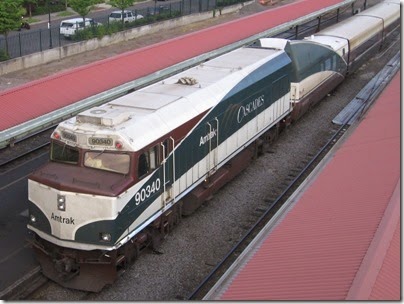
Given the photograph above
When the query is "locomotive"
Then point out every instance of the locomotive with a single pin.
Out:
(122, 174)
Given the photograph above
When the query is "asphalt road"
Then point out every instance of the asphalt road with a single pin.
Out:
(41, 37)
(16, 258)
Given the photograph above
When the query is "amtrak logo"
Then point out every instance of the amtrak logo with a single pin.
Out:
(206, 138)
(62, 220)
(250, 107)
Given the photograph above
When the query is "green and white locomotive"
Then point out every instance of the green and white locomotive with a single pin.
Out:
(122, 174)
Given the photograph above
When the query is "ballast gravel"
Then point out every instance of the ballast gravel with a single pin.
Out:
(201, 240)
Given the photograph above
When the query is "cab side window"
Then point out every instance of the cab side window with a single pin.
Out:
(148, 161)
(143, 166)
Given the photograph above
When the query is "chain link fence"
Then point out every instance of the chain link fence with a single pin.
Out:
(26, 42)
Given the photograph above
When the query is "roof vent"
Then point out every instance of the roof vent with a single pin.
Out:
(104, 116)
(187, 81)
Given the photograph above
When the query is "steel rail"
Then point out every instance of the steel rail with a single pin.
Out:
(25, 153)
(21, 131)
(387, 73)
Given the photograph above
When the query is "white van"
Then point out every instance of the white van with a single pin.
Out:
(128, 16)
(69, 27)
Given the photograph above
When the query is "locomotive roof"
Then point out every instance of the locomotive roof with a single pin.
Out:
(152, 112)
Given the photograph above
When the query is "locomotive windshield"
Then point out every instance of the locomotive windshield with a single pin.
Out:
(61, 152)
(108, 161)
(103, 160)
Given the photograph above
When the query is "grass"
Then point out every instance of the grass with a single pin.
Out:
(65, 14)
(31, 20)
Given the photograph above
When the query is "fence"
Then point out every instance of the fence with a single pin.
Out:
(26, 42)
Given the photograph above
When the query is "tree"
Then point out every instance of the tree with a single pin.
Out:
(82, 7)
(122, 5)
(11, 12)
(28, 4)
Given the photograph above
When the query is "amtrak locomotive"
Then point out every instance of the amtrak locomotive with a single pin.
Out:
(122, 174)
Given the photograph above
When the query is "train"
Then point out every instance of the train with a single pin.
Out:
(121, 175)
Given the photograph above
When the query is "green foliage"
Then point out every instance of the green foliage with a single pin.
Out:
(11, 12)
(3, 55)
(31, 20)
(81, 7)
(44, 9)
(223, 3)
(29, 4)
(65, 14)
(115, 27)
(121, 4)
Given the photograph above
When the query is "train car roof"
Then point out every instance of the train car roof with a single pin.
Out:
(152, 112)
(351, 30)
(388, 11)
(338, 35)
(364, 25)
(392, 1)
(333, 42)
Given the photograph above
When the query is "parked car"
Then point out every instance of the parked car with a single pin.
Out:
(128, 16)
(70, 27)
(157, 10)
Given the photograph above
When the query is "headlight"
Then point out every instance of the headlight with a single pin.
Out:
(105, 237)
(61, 201)
(32, 218)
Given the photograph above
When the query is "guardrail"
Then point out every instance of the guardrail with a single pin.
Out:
(19, 132)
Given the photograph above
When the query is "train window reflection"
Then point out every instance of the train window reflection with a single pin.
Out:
(61, 152)
(107, 161)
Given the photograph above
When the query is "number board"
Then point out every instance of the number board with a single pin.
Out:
(69, 136)
(100, 141)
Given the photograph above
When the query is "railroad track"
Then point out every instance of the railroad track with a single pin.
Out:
(40, 140)
(293, 182)
(268, 209)
(296, 178)
(298, 31)
(260, 216)
(24, 149)
(259, 211)
(25, 287)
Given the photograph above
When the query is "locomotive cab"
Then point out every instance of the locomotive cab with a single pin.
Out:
(90, 173)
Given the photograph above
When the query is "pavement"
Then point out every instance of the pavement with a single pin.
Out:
(57, 16)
